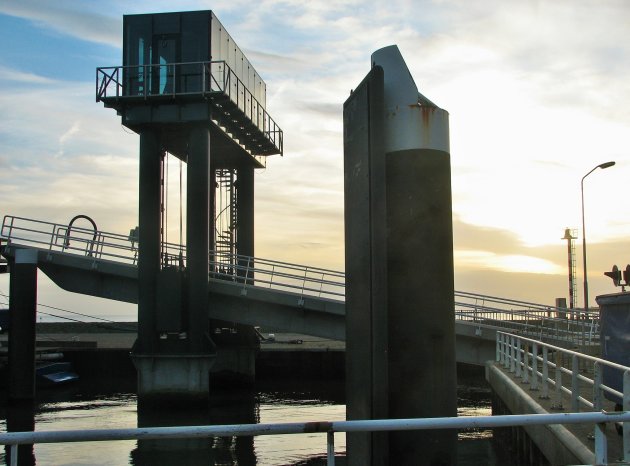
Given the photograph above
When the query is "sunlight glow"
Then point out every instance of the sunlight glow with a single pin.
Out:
(505, 263)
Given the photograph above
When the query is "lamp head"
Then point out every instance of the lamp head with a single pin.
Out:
(606, 165)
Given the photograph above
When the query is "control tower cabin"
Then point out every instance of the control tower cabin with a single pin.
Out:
(188, 90)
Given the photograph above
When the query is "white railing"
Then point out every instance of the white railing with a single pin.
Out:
(586, 381)
(13, 439)
(529, 319)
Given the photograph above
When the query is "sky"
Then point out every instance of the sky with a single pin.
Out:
(537, 91)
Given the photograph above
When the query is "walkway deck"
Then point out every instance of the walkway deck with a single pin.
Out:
(561, 445)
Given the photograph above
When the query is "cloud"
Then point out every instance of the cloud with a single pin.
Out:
(64, 18)
(11, 75)
(535, 92)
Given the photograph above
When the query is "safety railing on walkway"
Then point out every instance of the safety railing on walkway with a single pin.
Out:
(558, 373)
(185, 80)
(528, 319)
(13, 439)
(244, 270)
(75, 240)
(282, 276)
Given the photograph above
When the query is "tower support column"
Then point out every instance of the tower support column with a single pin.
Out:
(198, 236)
(245, 215)
(22, 335)
(174, 368)
(149, 224)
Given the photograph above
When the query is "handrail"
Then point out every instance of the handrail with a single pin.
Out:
(529, 319)
(533, 323)
(13, 439)
(527, 304)
(521, 356)
(210, 78)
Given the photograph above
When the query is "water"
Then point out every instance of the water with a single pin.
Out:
(98, 405)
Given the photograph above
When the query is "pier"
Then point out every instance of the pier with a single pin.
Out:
(392, 323)
(304, 306)
(532, 377)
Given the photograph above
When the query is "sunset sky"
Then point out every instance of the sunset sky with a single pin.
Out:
(538, 94)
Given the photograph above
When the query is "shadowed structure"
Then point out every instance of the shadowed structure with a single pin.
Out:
(187, 89)
(400, 327)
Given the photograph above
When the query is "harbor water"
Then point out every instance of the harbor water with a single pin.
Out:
(98, 404)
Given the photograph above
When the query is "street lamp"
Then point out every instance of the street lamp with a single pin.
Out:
(602, 166)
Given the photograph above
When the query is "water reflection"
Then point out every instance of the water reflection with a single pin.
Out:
(226, 407)
(95, 406)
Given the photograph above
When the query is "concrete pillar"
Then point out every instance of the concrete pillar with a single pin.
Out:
(197, 236)
(176, 378)
(149, 221)
(23, 314)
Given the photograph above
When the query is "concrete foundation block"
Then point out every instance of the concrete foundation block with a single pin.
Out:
(179, 377)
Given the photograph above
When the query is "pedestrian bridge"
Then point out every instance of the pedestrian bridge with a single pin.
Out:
(261, 292)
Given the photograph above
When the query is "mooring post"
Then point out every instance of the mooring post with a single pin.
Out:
(23, 315)
(400, 321)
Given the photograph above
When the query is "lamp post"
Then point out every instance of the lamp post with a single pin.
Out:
(602, 166)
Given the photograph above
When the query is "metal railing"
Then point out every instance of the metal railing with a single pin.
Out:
(528, 319)
(13, 439)
(538, 321)
(175, 80)
(585, 380)
(77, 240)
(245, 270)
(282, 276)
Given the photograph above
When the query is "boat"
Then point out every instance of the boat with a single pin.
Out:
(55, 373)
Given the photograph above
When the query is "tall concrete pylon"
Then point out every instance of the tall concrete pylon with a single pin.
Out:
(400, 332)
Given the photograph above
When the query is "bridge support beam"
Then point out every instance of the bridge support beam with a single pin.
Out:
(23, 314)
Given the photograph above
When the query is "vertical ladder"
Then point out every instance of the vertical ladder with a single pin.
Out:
(573, 297)
(226, 221)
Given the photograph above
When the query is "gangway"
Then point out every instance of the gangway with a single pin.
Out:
(258, 291)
